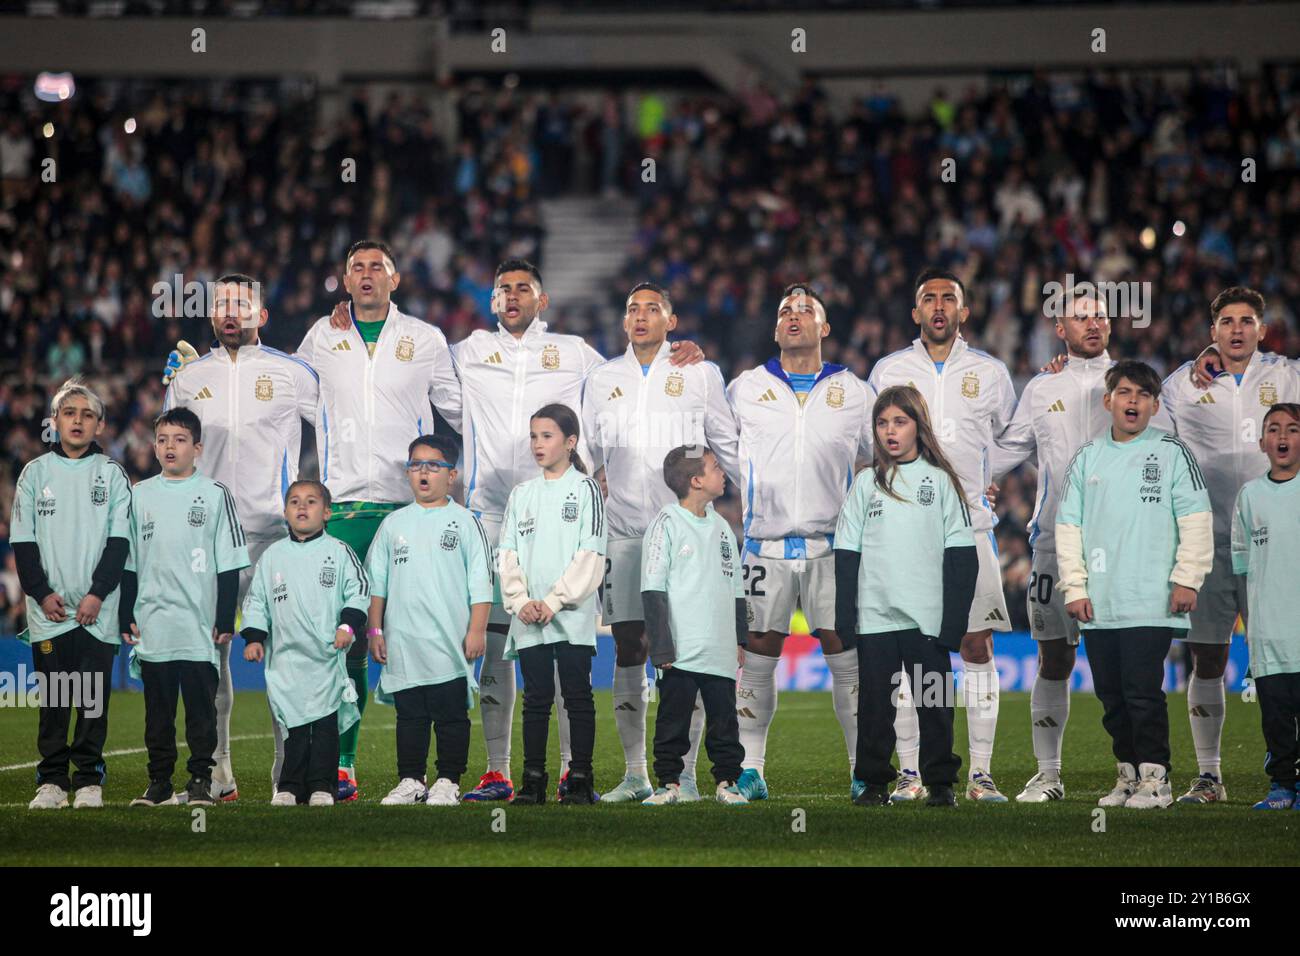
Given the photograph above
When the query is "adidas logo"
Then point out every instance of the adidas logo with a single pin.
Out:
(1057, 406)
(493, 359)
(204, 392)
(343, 346)
(745, 712)
(617, 393)
(1045, 722)
(627, 705)
(487, 699)
(995, 615)
(1206, 399)
(1198, 711)
(768, 396)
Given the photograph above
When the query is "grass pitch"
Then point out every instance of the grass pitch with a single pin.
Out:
(808, 820)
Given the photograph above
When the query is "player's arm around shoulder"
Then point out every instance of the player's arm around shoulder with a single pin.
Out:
(1072, 567)
(1190, 501)
(656, 563)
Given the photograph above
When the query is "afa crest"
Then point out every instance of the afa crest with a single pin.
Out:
(99, 493)
(263, 388)
(570, 510)
(328, 574)
(198, 516)
(835, 396)
(450, 538)
(550, 358)
(1151, 469)
(1267, 393)
(726, 549)
(925, 494)
(405, 349)
(970, 385)
(674, 385)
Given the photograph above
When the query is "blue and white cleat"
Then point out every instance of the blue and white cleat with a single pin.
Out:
(751, 785)
(909, 788)
(687, 791)
(633, 787)
(1279, 798)
(1206, 788)
(981, 789)
(493, 785)
(728, 794)
(856, 788)
(663, 797)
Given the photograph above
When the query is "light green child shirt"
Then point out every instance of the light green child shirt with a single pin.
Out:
(1266, 548)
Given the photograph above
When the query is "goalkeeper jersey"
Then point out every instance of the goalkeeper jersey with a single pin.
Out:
(69, 508)
(184, 532)
(1266, 548)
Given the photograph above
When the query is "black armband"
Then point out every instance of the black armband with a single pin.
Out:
(108, 572)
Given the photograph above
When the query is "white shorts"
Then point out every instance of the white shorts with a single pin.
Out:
(989, 609)
(1221, 598)
(1046, 603)
(492, 528)
(775, 586)
(620, 590)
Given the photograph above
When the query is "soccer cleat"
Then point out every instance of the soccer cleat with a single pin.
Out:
(1207, 788)
(729, 794)
(347, 789)
(632, 788)
(49, 796)
(1153, 789)
(688, 792)
(1279, 798)
(870, 794)
(663, 796)
(856, 787)
(198, 793)
(751, 785)
(1125, 785)
(533, 792)
(321, 798)
(493, 785)
(981, 788)
(941, 796)
(229, 795)
(89, 797)
(409, 790)
(159, 794)
(283, 798)
(576, 790)
(443, 793)
(908, 788)
(1043, 786)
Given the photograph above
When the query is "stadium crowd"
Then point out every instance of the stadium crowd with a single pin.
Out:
(1109, 178)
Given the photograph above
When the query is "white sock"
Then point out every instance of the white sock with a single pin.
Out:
(844, 696)
(755, 708)
(630, 695)
(980, 693)
(223, 777)
(497, 703)
(1205, 706)
(1049, 709)
(907, 729)
(277, 764)
(697, 734)
(562, 722)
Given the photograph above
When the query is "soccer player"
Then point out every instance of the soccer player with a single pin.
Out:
(1056, 414)
(1134, 542)
(635, 409)
(70, 527)
(308, 600)
(1266, 551)
(378, 377)
(803, 425)
(970, 399)
(430, 569)
(179, 596)
(905, 523)
(251, 401)
(1222, 425)
(552, 555)
(695, 615)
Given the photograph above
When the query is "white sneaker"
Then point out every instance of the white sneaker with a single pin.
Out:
(443, 793)
(49, 796)
(283, 798)
(1043, 786)
(981, 788)
(90, 797)
(728, 794)
(1125, 785)
(688, 792)
(663, 796)
(633, 787)
(1153, 789)
(321, 798)
(409, 790)
(909, 787)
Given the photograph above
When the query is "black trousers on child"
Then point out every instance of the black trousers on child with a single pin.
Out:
(539, 665)
(442, 707)
(1279, 711)
(311, 756)
(195, 682)
(677, 689)
(1128, 674)
(73, 661)
(880, 659)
